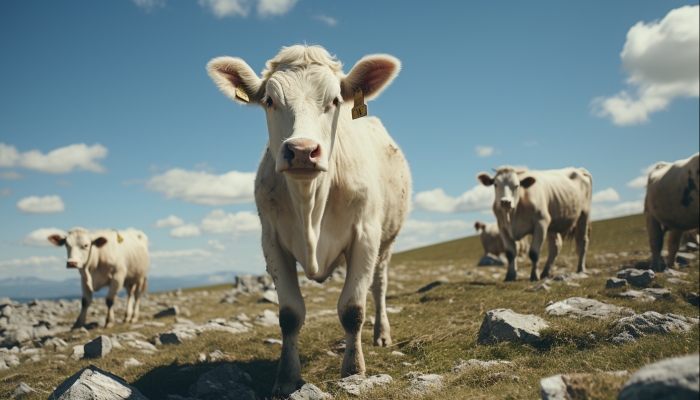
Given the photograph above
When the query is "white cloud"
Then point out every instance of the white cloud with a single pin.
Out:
(608, 195)
(599, 211)
(185, 231)
(35, 261)
(478, 198)
(416, 233)
(203, 188)
(149, 5)
(40, 237)
(215, 244)
(5, 192)
(188, 253)
(662, 60)
(170, 222)
(330, 21)
(60, 161)
(41, 205)
(530, 143)
(10, 175)
(227, 8)
(640, 182)
(267, 8)
(219, 221)
(484, 151)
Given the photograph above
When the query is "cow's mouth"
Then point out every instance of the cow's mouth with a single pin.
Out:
(302, 173)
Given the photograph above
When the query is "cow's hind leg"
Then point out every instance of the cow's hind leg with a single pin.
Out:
(583, 228)
(130, 289)
(511, 251)
(656, 241)
(382, 330)
(554, 244)
(140, 289)
(538, 235)
(85, 303)
(674, 243)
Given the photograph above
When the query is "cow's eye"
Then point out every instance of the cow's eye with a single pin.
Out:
(335, 102)
(85, 246)
(495, 185)
(268, 101)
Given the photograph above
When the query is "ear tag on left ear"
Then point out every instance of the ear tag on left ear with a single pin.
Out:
(242, 95)
(360, 108)
(119, 238)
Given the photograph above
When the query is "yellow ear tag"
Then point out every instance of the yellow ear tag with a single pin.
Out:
(119, 238)
(242, 95)
(360, 108)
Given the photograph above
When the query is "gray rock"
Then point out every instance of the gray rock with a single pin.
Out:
(578, 307)
(693, 299)
(623, 338)
(229, 299)
(226, 381)
(653, 322)
(268, 318)
(54, 343)
(358, 384)
(489, 259)
(270, 296)
(93, 383)
(541, 287)
(636, 277)
(272, 341)
(309, 392)
(169, 338)
(170, 312)
(474, 363)
(422, 384)
(22, 388)
(637, 295)
(672, 378)
(504, 325)
(132, 362)
(99, 347)
(613, 283)
(658, 293)
(6, 310)
(78, 352)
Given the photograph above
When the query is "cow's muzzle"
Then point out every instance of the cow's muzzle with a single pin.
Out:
(506, 204)
(301, 158)
(72, 264)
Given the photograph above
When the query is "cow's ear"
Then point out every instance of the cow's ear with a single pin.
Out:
(372, 74)
(236, 79)
(485, 179)
(57, 240)
(100, 241)
(527, 182)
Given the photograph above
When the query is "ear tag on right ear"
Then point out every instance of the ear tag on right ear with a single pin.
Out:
(242, 95)
(119, 238)
(360, 108)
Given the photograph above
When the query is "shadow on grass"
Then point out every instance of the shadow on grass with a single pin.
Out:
(177, 378)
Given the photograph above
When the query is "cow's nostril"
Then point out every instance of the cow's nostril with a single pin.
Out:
(316, 152)
(288, 153)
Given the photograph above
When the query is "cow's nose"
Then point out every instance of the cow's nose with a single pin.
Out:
(72, 264)
(302, 152)
(506, 203)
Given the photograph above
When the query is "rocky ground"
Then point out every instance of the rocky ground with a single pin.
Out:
(459, 332)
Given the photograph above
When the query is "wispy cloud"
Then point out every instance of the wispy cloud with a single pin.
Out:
(268, 8)
(662, 60)
(216, 245)
(602, 211)
(330, 21)
(485, 151)
(185, 231)
(169, 222)
(479, 198)
(60, 161)
(5, 192)
(10, 175)
(41, 205)
(200, 187)
(640, 182)
(149, 5)
(608, 195)
(241, 8)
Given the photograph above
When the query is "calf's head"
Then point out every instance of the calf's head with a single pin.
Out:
(508, 186)
(303, 92)
(79, 244)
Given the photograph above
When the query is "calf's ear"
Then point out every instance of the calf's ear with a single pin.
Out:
(57, 240)
(100, 241)
(372, 74)
(236, 79)
(527, 182)
(485, 179)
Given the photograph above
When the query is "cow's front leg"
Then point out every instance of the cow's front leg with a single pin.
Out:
(538, 236)
(140, 289)
(656, 241)
(115, 285)
(351, 305)
(674, 243)
(554, 244)
(130, 302)
(511, 251)
(382, 330)
(85, 303)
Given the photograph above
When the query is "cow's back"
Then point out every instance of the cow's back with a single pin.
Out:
(131, 252)
(672, 194)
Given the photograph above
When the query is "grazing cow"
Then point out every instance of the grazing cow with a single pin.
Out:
(329, 190)
(671, 204)
(541, 203)
(492, 243)
(109, 258)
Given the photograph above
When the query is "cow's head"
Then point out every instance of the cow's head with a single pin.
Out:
(303, 91)
(508, 183)
(79, 244)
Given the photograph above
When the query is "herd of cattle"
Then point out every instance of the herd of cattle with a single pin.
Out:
(333, 190)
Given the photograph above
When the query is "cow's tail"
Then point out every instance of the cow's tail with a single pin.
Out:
(588, 192)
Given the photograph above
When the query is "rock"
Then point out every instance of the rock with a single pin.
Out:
(422, 384)
(397, 353)
(309, 392)
(132, 362)
(78, 352)
(170, 312)
(571, 276)
(653, 322)
(674, 273)
(636, 277)
(693, 299)
(504, 325)
(22, 388)
(488, 259)
(657, 293)
(672, 378)
(578, 307)
(54, 343)
(242, 317)
(637, 295)
(272, 341)
(168, 338)
(553, 388)
(393, 309)
(429, 286)
(623, 338)
(684, 258)
(614, 283)
(99, 347)
(268, 318)
(474, 363)
(229, 299)
(358, 384)
(270, 296)
(541, 287)
(94, 383)
(226, 381)
(6, 310)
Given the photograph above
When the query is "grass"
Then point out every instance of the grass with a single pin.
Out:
(434, 330)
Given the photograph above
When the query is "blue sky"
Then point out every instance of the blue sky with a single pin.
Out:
(109, 120)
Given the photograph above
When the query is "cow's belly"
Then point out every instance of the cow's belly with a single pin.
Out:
(562, 225)
(674, 202)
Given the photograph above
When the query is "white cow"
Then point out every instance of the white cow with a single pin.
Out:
(329, 189)
(108, 257)
(492, 242)
(671, 204)
(541, 203)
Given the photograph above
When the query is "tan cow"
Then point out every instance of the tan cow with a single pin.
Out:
(108, 258)
(544, 204)
(329, 189)
(671, 204)
(492, 242)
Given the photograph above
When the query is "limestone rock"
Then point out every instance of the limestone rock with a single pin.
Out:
(168, 338)
(94, 383)
(613, 283)
(310, 392)
(132, 362)
(673, 378)
(78, 352)
(653, 322)
(99, 347)
(489, 259)
(637, 295)
(504, 325)
(658, 293)
(578, 307)
(226, 381)
(358, 384)
(636, 277)
(272, 341)
(422, 384)
(22, 388)
(268, 318)
(474, 363)
(270, 296)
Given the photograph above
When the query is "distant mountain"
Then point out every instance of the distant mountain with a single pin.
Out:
(27, 288)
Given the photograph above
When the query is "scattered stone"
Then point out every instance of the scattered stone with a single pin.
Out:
(168, 338)
(578, 307)
(22, 388)
(684, 258)
(94, 383)
(671, 378)
(504, 325)
(541, 287)
(54, 343)
(218, 355)
(571, 276)
(132, 362)
(654, 322)
(658, 293)
(78, 352)
(270, 296)
(358, 384)
(309, 392)
(553, 388)
(675, 273)
(397, 353)
(422, 384)
(169, 312)
(226, 381)
(693, 299)
(429, 286)
(614, 283)
(623, 338)
(331, 353)
(474, 363)
(489, 260)
(393, 309)
(272, 341)
(636, 277)
(143, 346)
(267, 318)
(99, 347)
(229, 299)
(637, 295)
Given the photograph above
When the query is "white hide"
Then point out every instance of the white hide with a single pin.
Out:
(492, 242)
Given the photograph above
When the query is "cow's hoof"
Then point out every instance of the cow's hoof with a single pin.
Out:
(510, 278)
(283, 390)
(383, 341)
(77, 326)
(109, 325)
(534, 278)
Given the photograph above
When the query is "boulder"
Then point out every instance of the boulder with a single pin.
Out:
(637, 295)
(637, 277)
(474, 363)
(489, 260)
(658, 293)
(169, 312)
(99, 347)
(504, 325)
(672, 378)
(422, 384)
(168, 338)
(578, 307)
(94, 383)
(653, 322)
(267, 318)
(358, 384)
(309, 392)
(613, 283)
(78, 352)
(226, 381)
